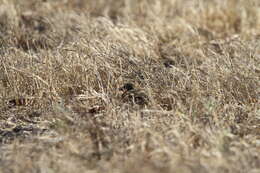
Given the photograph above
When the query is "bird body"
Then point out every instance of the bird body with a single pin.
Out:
(134, 96)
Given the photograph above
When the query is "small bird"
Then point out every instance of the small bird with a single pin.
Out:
(169, 63)
(132, 95)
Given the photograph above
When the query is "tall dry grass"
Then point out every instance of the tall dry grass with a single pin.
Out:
(63, 64)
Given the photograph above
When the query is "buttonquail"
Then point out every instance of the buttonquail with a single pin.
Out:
(134, 96)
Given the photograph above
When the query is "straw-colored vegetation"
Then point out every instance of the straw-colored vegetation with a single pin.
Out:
(130, 86)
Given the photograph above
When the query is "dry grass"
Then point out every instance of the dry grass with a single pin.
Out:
(63, 63)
